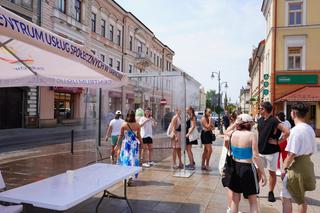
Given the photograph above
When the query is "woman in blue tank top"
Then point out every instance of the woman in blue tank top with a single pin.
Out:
(248, 167)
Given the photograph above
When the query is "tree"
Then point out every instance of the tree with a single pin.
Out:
(212, 101)
(231, 108)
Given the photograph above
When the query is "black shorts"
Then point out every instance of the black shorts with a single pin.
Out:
(188, 142)
(147, 140)
(206, 137)
(245, 179)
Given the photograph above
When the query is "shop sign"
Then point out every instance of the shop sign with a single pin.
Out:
(266, 76)
(297, 79)
(72, 90)
(265, 92)
(266, 84)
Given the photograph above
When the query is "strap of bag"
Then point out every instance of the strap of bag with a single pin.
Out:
(132, 130)
(229, 149)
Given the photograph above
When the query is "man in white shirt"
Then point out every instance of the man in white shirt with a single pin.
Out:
(114, 131)
(147, 123)
(298, 176)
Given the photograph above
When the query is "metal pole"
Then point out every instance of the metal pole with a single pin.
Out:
(72, 140)
(183, 122)
(219, 100)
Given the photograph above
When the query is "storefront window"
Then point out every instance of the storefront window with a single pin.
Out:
(63, 106)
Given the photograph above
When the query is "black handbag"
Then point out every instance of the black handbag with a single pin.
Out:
(229, 167)
(213, 136)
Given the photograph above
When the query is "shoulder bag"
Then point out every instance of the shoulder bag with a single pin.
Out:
(229, 167)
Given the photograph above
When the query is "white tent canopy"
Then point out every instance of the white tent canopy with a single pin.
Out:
(33, 56)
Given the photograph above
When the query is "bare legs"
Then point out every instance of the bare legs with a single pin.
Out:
(147, 148)
(272, 180)
(206, 155)
(175, 152)
(287, 206)
(236, 200)
(190, 154)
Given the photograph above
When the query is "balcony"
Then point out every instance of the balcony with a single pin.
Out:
(143, 60)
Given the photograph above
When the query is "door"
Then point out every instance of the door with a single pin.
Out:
(10, 108)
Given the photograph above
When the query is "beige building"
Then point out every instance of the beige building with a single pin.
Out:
(256, 74)
(119, 39)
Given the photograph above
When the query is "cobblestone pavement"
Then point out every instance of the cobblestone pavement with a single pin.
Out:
(156, 189)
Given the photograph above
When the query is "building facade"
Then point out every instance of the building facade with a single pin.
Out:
(244, 104)
(291, 55)
(119, 39)
(256, 74)
(19, 105)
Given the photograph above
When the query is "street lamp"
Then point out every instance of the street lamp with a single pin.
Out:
(219, 96)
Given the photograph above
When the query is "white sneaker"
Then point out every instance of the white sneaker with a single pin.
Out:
(228, 210)
(152, 163)
(147, 165)
(278, 172)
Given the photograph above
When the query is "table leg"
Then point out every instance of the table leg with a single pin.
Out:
(108, 194)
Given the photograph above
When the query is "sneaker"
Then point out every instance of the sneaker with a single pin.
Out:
(152, 163)
(271, 197)
(228, 210)
(190, 167)
(278, 172)
(146, 165)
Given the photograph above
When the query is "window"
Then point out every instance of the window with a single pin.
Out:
(154, 58)
(103, 27)
(130, 68)
(295, 13)
(130, 43)
(93, 22)
(110, 62)
(27, 3)
(111, 32)
(102, 57)
(157, 61)
(294, 58)
(77, 7)
(62, 6)
(147, 52)
(93, 52)
(118, 65)
(119, 37)
(139, 47)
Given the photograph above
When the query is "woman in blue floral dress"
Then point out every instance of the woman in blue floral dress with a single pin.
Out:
(130, 131)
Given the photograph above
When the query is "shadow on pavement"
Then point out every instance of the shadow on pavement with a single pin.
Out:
(120, 206)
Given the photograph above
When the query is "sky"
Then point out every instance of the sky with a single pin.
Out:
(206, 36)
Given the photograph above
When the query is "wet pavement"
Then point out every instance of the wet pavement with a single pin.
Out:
(156, 189)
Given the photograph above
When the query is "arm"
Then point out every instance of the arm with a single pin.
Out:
(256, 159)
(289, 159)
(231, 128)
(142, 123)
(285, 131)
(120, 136)
(108, 132)
(205, 124)
(139, 134)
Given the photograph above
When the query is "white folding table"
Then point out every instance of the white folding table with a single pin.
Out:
(63, 191)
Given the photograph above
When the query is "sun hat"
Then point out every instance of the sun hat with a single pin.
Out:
(118, 112)
(244, 118)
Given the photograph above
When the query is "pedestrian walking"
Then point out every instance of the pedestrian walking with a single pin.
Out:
(191, 127)
(282, 141)
(226, 120)
(298, 176)
(147, 123)
(206, 138)
(246, 177)
(114, 131)
(175, 132)
(269, 130)
(130, 132)
(224, 152)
